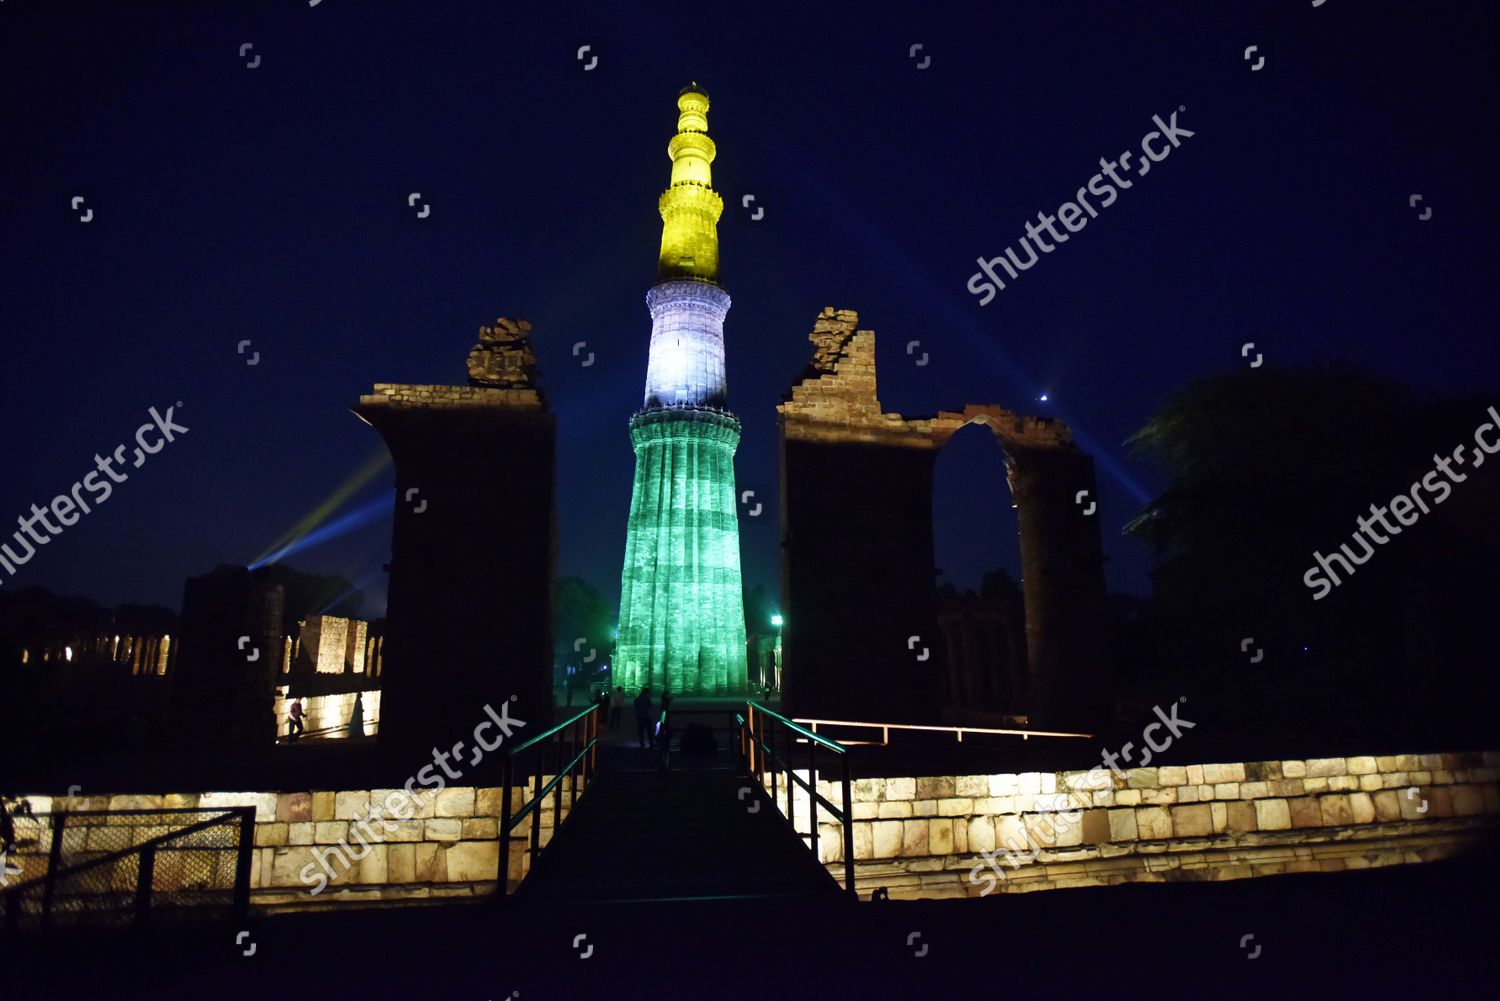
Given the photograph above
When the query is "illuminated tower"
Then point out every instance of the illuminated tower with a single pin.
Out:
(682, 617)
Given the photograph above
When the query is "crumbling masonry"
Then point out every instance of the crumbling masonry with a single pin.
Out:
(857, 556)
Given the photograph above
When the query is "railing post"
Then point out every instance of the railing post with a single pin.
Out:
(507, 777)
(572, 775)
(848, 832)
(791, 747)
(759, 733)
(535, 799)
(242, 871)
(54, 863)
(593, 751)
(145, 875)
(557, 788)
(812, 795)
(588, 740)
(772, 751)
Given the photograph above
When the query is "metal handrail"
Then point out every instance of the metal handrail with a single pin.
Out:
(294, 738)
(145, 871)
(526, 745)
(793, 724)
(586, 721)
(886, 728)
(755, 749)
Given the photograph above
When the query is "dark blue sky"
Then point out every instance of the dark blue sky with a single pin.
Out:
(269, 204)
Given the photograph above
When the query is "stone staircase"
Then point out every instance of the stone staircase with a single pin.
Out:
(641, 833)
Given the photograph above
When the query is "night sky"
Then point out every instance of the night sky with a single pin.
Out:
(270, 205)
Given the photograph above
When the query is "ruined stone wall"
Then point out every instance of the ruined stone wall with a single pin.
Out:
(861, 636)
(354, 649)
(453, 397)
(473, 544)
(921, 837)
(333, 644)
(145, 654)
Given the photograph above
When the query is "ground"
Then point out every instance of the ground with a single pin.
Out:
(1414, 929)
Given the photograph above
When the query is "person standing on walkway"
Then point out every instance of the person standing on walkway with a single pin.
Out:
(616, 706)
(664, 733)
(294, 720)
(643, 720)
(357, 716)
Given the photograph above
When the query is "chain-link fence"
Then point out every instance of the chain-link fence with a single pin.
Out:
(123, 867)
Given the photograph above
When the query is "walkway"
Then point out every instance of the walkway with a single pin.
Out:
(640, 833)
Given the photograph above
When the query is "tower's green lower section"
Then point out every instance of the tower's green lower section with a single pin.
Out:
(682, 615)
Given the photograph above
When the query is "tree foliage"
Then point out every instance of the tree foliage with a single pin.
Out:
(1266, 467)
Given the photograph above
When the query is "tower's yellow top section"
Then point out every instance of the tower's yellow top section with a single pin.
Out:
(690, 208)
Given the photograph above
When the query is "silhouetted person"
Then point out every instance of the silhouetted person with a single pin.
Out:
(294, 726)
(357, 717)
(664, 732)
(602, 702)
(643, 718)
(616, 706)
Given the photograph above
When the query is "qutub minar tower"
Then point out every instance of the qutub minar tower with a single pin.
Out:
(682, 617)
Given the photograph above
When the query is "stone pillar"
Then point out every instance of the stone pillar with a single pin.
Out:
(857, 568)
(221, 688)
(1062, 565)
(857, 582)
(473, 551)
(953, 697)
(973, 662)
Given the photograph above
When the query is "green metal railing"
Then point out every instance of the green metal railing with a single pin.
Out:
(761, 756)
(582, 739)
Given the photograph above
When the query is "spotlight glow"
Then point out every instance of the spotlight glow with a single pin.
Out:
(381, 507)
(378, 462)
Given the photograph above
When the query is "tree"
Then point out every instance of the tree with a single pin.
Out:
(758, 611)
(1266, 468)
(583, 630)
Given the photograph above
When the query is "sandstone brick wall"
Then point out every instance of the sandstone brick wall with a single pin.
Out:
(921, 837)
(449, 848)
